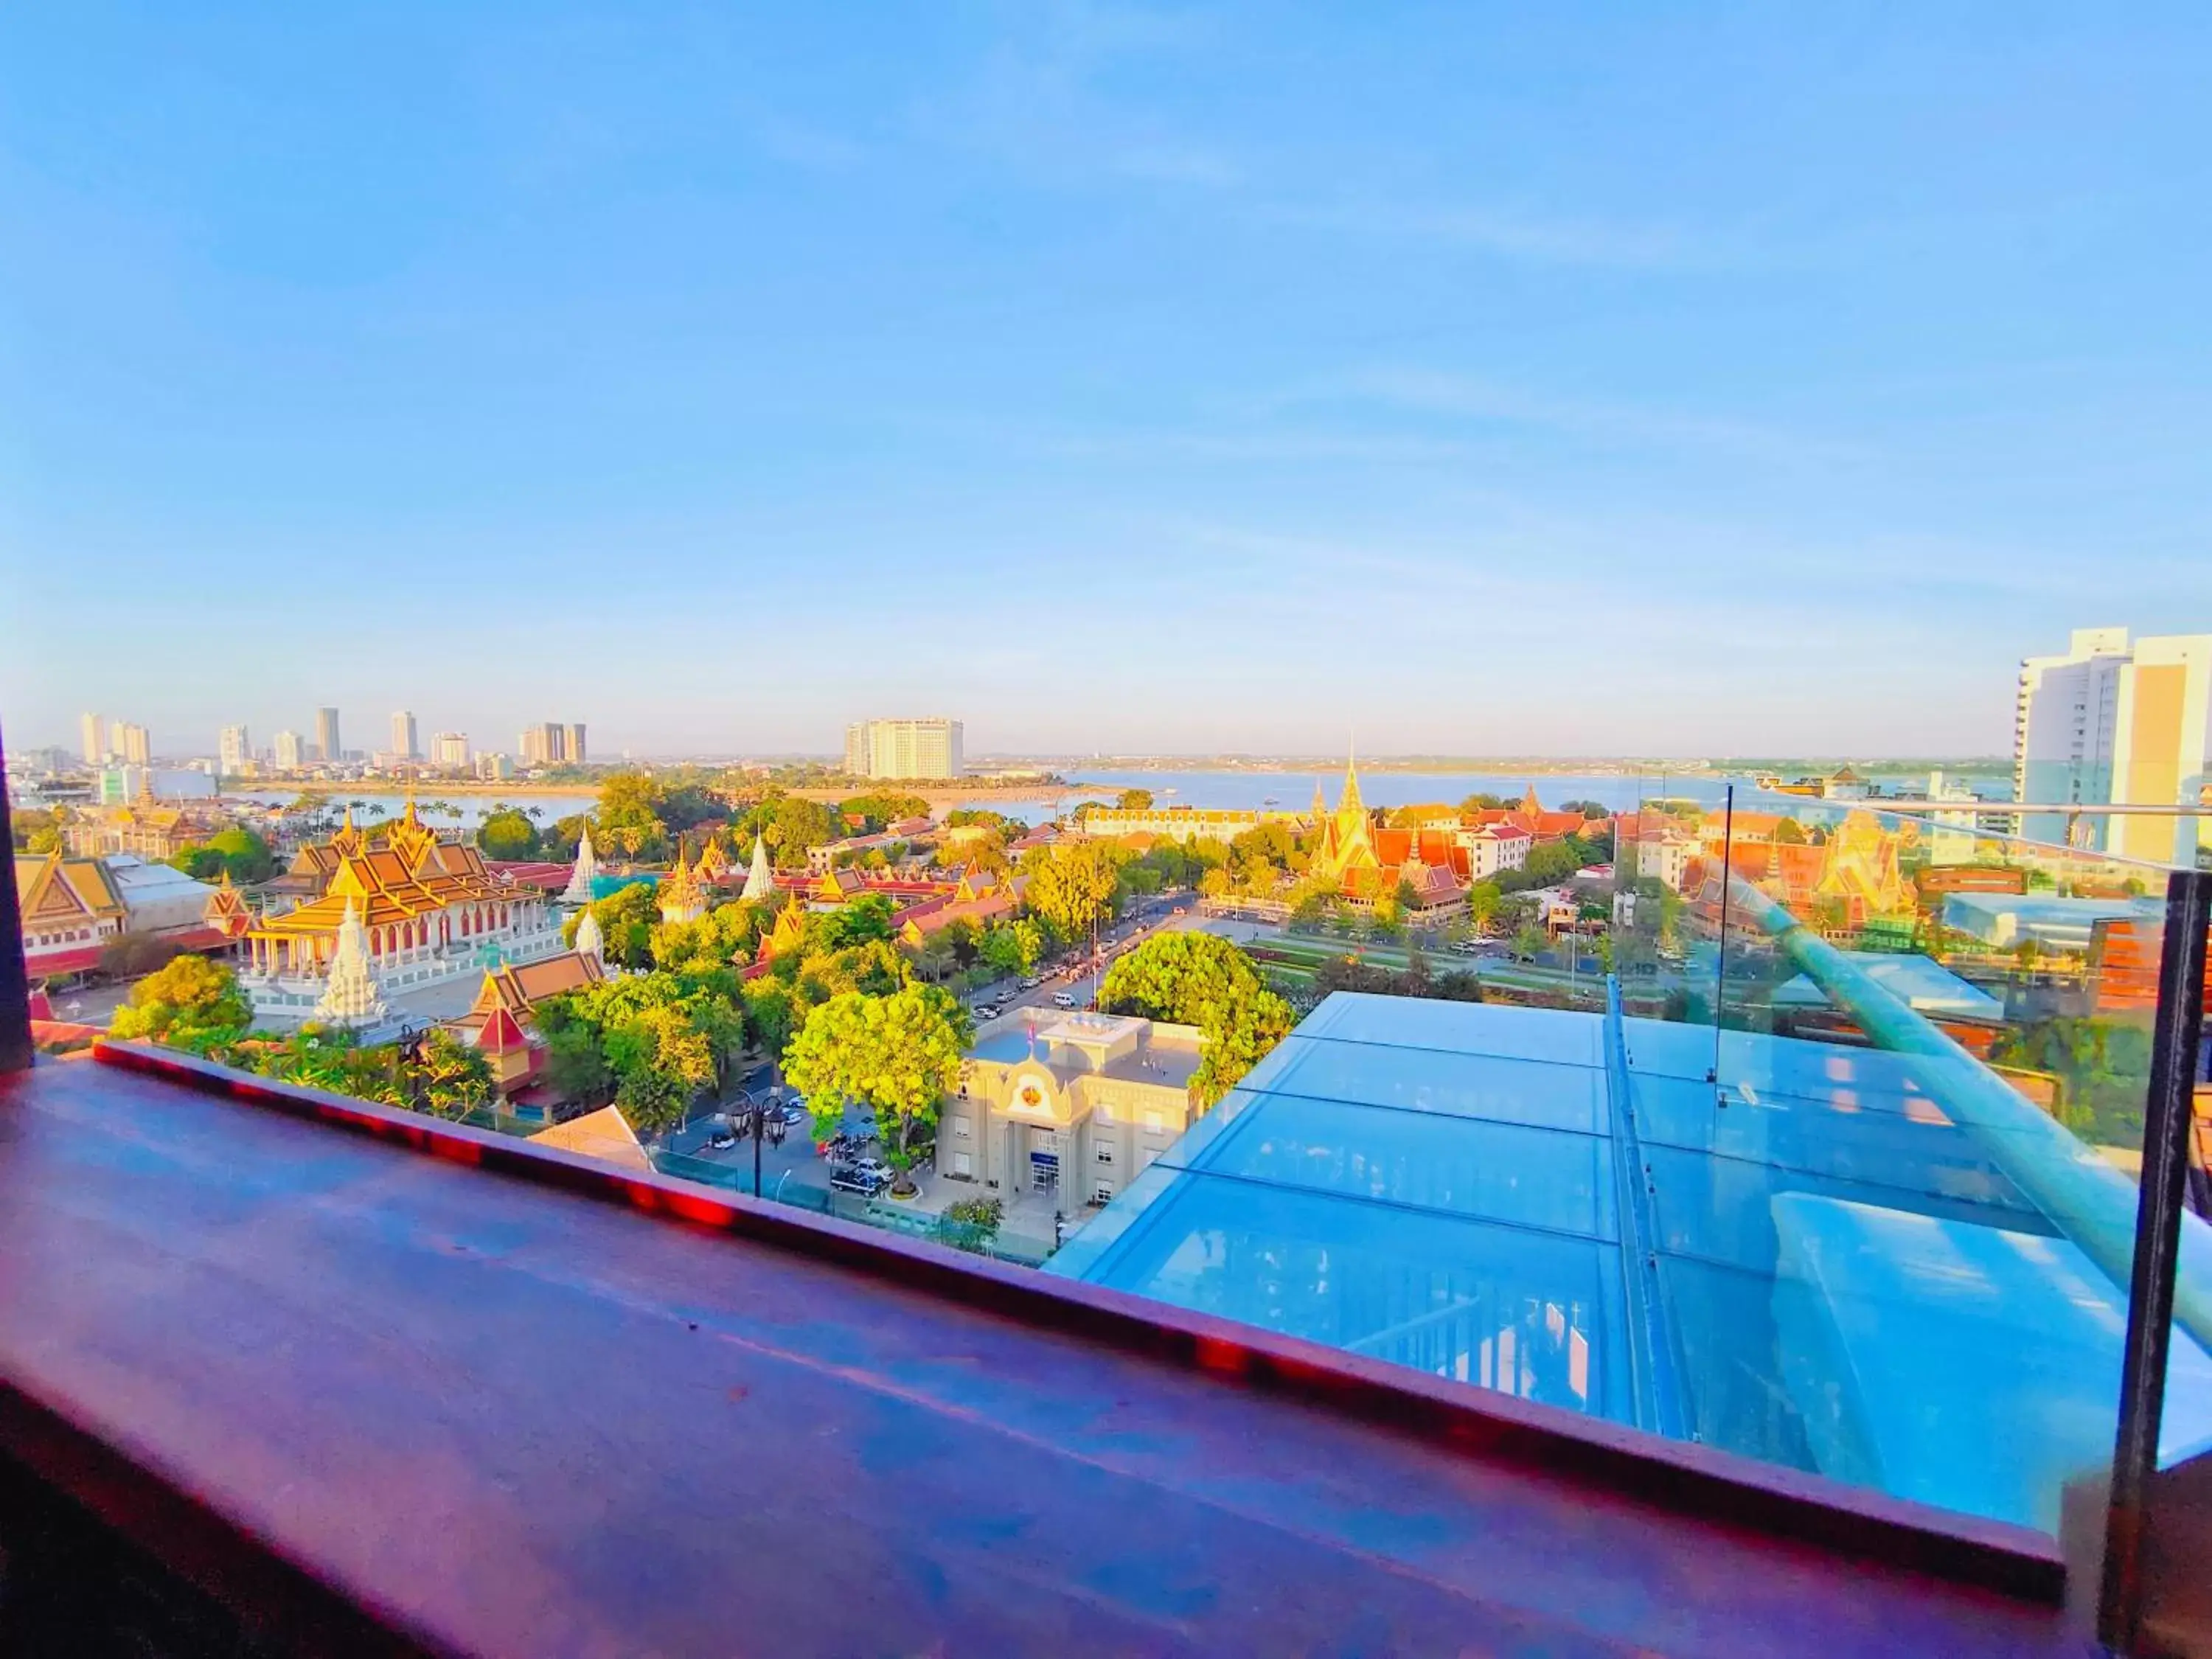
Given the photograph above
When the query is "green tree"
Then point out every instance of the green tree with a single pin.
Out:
(507, 835)
(627, 918)
(447, 1078)
(878, 810)
(237, 850)
(1528, 941)
(661, 1038)
(898, 1055)
(793, 826)
(1482, 902)
(1269, 844)
(193, 1003)
(970, 1224)
(1555, 860)
(628, 816)
(1201, 980)
(1010, 948)
(876, 969)
(717, 939)
(1135, 800)
(37, 829)
(771, 1017)
(1072, 888)
(857, 921)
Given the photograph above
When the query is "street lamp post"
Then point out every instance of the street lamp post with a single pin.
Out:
(762, 1122)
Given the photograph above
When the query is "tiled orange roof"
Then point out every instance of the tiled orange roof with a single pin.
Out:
(605, 1135)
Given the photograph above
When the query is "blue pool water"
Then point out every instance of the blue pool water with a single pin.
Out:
(1848, 1283)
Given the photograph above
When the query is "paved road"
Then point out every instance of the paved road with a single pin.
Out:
(1152, 916)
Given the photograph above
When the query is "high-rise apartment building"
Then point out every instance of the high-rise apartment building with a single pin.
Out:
(2119, 723)
(552, 744)
(904, 749)
(404, 744)
(450, 749)
(327, 749)
(291, 750)
(92, 731)
(132, 743)
(232, 750)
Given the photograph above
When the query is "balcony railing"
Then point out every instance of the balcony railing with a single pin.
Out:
(422, 1320)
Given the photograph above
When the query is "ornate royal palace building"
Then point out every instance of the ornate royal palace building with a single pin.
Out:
(429, 910)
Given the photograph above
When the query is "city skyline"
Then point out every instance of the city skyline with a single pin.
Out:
(1731, 384)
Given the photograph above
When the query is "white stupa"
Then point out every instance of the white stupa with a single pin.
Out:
(760, 881)
(579, 890)
(590, 942)
(352, 995)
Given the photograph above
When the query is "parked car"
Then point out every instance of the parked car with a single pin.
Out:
(721, 1141)
(792, 1115)
(1062, 1000)
(1031, 982)
(848, 1179)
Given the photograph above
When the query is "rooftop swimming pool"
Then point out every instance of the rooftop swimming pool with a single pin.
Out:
(1823, 1264)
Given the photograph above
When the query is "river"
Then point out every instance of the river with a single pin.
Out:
(1217, 789)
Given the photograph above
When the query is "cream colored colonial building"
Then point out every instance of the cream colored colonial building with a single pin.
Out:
(1074, 1112)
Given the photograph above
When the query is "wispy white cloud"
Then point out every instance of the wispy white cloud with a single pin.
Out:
(1488, 402)
(1537, 238)
(1037, 104)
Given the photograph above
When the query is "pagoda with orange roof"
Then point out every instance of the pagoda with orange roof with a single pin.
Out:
(1347, 835)
(680, 897)
(1367, 862)
(227, 911)
(713, 866)
(429, 911)
(789, 933)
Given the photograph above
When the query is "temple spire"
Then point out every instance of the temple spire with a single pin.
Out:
(1350, 802)
(352, 995)
(760, 881)
(590, 942)
(579, 890)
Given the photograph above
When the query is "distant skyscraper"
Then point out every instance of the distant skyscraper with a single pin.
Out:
(233, 751)
(904, 749)
(403, 736)
(450, 749)
(291, 751)
(93, 734)
(327, 736)
(551, 743)
(133, 743)
(2112, 722)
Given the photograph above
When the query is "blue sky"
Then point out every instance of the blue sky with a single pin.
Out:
(1486, 378)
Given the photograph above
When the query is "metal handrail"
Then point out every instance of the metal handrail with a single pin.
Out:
(2092, 1204)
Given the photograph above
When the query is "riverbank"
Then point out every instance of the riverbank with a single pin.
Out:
(424, 789)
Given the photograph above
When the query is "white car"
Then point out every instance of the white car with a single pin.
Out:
(1062, 1000)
